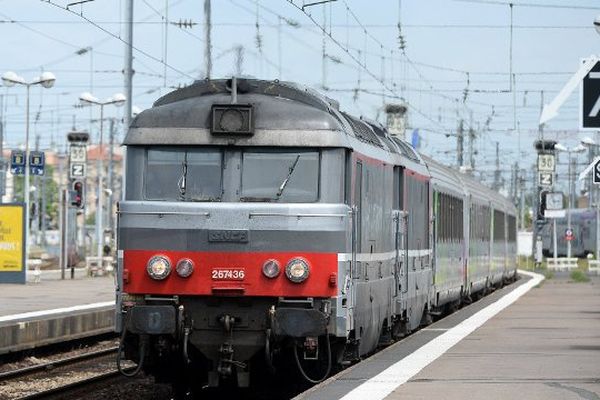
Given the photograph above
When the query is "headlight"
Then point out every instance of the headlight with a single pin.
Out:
(184, 267)
(271, 268)
(159, 267)
(297, 270)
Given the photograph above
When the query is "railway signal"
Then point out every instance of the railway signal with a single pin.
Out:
(77, 167)
(546, 165)
(542, 205)
(77, 195)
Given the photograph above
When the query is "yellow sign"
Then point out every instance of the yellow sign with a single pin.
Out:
(11, 238)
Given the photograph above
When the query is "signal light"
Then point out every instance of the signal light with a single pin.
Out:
(77, 194)
(542, 205)
(545, 145)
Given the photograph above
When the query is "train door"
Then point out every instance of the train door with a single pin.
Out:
(400, 233)
(356, 221)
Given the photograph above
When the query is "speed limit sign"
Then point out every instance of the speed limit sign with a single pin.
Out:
(546, 162)
(77, 154)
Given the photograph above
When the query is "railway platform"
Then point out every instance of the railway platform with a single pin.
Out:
(530, 340)
(53, 311)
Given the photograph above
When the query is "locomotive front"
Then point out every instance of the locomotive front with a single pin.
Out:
(229, 234)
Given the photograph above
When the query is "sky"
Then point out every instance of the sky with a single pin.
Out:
(456, 62)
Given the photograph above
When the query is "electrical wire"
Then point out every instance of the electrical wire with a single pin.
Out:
(329, 363)
(362, 65)
(534, 5)
(150, 56)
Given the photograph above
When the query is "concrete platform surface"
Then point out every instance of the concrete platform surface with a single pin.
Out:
(48, 312)
(51, 294)
(544, 346)
(520, 342)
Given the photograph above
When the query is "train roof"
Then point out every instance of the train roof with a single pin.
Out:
(450, 179)
(285, 114)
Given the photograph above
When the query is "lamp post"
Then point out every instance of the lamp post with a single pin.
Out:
(117, 99)
(577, 149)
(46, 79)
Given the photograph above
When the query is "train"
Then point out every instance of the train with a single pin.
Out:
(583, 224)
(264, 230)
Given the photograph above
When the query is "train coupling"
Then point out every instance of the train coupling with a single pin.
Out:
(226, 361)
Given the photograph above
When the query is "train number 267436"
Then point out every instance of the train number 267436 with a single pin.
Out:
(234, 274)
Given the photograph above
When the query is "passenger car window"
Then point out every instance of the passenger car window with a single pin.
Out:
(291, 176)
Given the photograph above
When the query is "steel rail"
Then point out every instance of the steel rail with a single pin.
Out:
(74, 386)
(55, 364)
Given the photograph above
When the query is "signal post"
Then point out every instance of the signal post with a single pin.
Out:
(72, 199)
(545, 167)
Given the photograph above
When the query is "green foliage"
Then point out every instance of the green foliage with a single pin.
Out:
(579, 276)
(90, 219)
(49, 191)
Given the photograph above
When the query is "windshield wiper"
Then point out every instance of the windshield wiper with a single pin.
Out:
(182, 182)
(287, 178)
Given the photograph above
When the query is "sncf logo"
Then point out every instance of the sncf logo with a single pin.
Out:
(222, 235)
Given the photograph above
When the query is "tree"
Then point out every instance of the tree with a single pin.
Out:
(49, 195)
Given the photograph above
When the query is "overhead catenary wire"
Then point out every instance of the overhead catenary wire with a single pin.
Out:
(362, 64)
(533, 5)
(146, 54)
(425, 94)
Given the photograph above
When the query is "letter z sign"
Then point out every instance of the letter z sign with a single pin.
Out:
(590, 99)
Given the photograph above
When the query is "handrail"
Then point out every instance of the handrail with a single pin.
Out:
(159, 213)
(266, 214)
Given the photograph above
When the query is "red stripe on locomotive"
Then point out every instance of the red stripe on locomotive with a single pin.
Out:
(322, 281)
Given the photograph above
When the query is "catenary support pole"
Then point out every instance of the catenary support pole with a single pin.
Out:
(569, 205)
(208, 46)
(100, 201)
(128, 70)
(554, 241)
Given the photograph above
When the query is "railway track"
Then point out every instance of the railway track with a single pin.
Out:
(67, 390)
(61, 377)
(23, 372)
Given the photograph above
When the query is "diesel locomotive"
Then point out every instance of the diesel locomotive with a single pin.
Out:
(262, 226)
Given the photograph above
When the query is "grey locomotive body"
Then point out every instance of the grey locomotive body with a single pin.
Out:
(260, 221)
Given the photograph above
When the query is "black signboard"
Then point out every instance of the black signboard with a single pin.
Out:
(590, 99)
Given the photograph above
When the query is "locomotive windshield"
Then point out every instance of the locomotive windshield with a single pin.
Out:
(287, 176)
(254, 174)
(183, 174)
